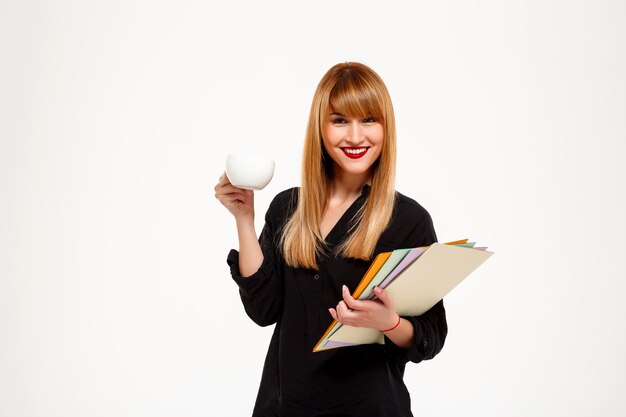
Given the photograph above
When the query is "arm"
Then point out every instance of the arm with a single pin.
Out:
(240, 203)
(253, 266)
(250, 253)
(430, 331)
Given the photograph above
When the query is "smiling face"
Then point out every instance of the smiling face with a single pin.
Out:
(353, 143)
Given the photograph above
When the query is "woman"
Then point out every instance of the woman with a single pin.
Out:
(316, 245)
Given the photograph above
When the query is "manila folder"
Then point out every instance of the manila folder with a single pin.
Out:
(421, 285)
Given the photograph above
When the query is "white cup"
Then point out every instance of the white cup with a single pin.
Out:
(251, 172)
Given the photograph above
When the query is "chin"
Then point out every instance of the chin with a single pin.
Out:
(356, 171)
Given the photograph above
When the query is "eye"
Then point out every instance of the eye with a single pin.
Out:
(339, 121)
(369, 119)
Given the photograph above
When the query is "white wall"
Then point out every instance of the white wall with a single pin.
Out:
(116, 118)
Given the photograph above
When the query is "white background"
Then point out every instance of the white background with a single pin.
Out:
(115, 121)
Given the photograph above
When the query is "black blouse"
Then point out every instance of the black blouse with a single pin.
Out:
(364, 380)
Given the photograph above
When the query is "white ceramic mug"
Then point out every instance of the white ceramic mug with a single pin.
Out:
(251, 172)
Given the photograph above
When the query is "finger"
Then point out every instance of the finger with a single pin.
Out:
(341, 308)
(346, 315)
(342, 311)
(351, 302)
(234, 189)
(222, 181)
(384, 297)
(333, 313)
(231, 199)
(231, 189)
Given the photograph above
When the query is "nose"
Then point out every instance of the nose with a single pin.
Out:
(356, 134)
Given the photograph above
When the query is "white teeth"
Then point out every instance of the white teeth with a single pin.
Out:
(355, 151)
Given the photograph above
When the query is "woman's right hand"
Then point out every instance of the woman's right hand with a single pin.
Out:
(238, 201)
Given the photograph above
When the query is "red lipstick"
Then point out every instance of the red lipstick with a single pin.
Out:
(355, 152)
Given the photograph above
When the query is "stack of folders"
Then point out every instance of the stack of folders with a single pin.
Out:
(416, 279)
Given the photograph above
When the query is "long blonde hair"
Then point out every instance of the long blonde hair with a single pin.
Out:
(354, 90)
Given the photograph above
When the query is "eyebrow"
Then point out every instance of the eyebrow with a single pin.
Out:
(337, 114)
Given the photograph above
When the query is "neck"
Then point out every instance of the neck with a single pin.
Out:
(344, 186)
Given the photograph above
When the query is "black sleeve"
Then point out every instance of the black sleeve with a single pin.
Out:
(431, 328)
(262, 292)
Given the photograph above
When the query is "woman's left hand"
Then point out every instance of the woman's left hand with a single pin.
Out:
(378, 314)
